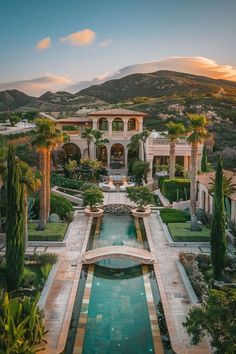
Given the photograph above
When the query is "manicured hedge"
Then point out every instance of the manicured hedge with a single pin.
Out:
(182, 232)
(175, 189)
(173, 216)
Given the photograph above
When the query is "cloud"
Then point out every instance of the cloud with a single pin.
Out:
(105, 43)
(45, 43)
(193, 65)
(84, 37)
(37, 86)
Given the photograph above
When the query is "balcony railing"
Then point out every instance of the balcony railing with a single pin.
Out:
(163, 141)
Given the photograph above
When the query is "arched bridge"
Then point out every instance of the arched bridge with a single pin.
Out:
(118, 252)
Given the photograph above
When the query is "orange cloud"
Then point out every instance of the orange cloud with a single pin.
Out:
(84, 37)
(45, 43)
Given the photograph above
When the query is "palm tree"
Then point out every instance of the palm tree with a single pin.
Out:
(136, 140)
(3, 156)
(45, 138)
(30, 182)
(175, 130)
(88, 135)
(198, 134)
(99, 141)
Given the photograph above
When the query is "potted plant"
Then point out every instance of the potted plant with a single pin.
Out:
(142, 197)
(93, 197)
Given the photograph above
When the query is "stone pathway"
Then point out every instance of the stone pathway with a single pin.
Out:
(174, 296)
(60, 300)
(116, 198)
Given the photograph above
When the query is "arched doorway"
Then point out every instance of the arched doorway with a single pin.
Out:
(70, 151)
(117, 160)
(117, 125)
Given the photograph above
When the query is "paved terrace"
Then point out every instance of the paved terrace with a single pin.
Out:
(174, 297)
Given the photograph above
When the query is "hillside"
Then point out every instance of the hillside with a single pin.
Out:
(160, 84)
(13, 100)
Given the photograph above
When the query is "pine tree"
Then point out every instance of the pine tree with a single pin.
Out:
(204, 160)
(15, 244)
(217, 235)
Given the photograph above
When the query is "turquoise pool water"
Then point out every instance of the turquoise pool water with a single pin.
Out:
(118, 230)
(117, 316)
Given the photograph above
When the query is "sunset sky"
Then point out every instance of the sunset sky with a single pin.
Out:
(65, 41)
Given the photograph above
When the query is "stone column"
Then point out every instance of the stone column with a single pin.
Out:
(186, 161)
(108, 155)
(125, 127)
(126, 156)
(95, 124)
(149, 175)
(109, 128)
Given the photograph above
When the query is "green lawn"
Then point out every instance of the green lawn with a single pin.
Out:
(53, 232)
(181, 232)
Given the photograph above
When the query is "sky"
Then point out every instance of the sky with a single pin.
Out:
(61, 42)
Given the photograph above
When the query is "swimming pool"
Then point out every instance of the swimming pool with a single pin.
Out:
(114, 310)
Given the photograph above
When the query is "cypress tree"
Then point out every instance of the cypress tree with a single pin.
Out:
(15, 248)
(217, 234)
(204, 160)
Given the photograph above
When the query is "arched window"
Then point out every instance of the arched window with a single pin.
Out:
(117, 125)
(132, 124)
(103, 124)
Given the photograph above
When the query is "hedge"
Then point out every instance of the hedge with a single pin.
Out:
(64, 182)
(58, 205)
(173, 216)
(175, 189)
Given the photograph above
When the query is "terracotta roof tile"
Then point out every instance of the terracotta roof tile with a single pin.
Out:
(205, 179)
(118, 112)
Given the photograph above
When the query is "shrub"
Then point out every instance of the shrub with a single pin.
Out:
(173, 215)
(45, 270)
(61, 181)
(175, 189)
(141, 196)
(92, 197)
(59, 205)
(41, 258)
(69, 127)
(22, 325)
(195, 276)
(28, 278)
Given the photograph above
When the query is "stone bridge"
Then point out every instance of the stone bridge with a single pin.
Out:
(118, 252)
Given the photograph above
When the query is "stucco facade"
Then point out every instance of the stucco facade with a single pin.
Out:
(118, 126)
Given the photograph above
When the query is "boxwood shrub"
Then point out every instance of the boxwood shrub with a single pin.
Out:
(174, 216)
(175, 189)
(59, 205)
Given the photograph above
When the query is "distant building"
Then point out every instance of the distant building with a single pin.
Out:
(118, 126)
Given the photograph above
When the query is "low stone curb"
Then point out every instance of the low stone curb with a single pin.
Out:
(188, 286)
(47, 286)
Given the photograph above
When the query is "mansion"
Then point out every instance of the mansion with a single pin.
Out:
(118, 126)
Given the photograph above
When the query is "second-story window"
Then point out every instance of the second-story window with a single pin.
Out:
(131, 124)
(103, 124)
(117, 125)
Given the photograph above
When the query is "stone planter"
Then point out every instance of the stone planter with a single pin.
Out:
(94, 214)
(141, 214)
